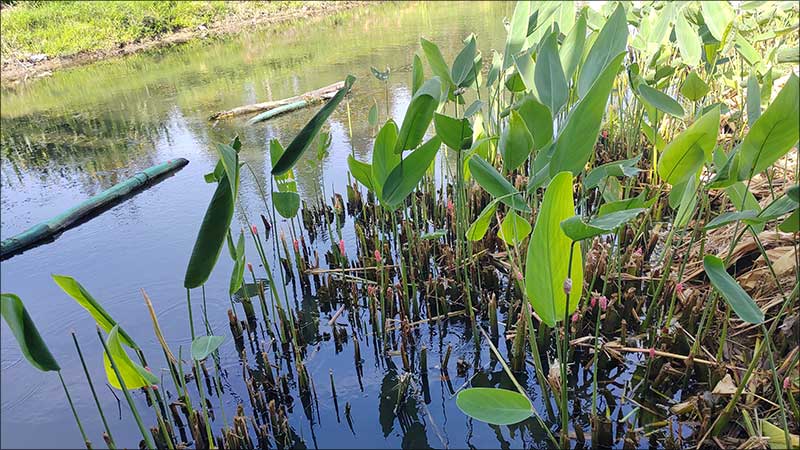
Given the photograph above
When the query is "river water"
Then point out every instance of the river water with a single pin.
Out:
(71, 135)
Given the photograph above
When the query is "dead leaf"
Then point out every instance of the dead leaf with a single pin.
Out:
(725, 386)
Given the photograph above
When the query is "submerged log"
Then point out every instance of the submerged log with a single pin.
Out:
(307, 99)
(49, 230)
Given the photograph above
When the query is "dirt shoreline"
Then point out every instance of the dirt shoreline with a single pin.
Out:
(17, 71)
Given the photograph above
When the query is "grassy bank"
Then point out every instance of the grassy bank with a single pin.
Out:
(41, 36)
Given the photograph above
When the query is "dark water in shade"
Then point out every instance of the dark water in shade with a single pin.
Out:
(69, 136)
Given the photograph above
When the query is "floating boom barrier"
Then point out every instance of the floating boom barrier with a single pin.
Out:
(50, 229)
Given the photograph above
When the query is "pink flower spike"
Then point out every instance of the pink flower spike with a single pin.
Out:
(450, 206)
(603, 302)
(519, 275)
(155, 387)
(254, 229)
(341, 247)
(568, 286)
(296, 245)
(378, 256)
(575, 317)
(638, 251)
(652, 353)
(679, 288)
(249, 267)
(593, 301)
(787, 383)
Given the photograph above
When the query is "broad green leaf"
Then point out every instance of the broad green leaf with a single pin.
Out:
(30, 341)
(753, 101)
(419, 115)
(286, 203)
(660, 101)
(215, 226)
(640, 201)
(684, 155)
(548, 259)
(794, 193)
(78, 293)
(623, 168)
(303, 140)
(405, 177)
(792, 223)
(538, 119)
(473, 108)
(463, 73)
(693, 87)
(134, 375)
(729, 217)
(478, 229)
(516, 142)
(748, 52)
(384, 158)
(455, 133)
(687, 203)
(688, 40)
(436, 61)
(514, 229)
(517, 33)
(575, 142)
(237, 276)
(578, 230)
(417, 74)
(494, 183)
(611, 41)
(361, 171)
(572, 47)
(718, 16)
(526, 72)
(777, 437)
(494, 406)
(204, 346)
(551, 84)
(741, 303)
(774, 133)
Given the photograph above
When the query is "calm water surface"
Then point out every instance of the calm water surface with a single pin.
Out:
(80, 131)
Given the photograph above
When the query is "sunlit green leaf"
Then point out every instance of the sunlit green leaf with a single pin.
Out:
(514, 228)
(78, 293)
(693, 87)
(548, 261)
(494, 406)
(384, 158)
(660, 101)
(774, 133)
(134, 375)
(478, 229)
(686, 152)
(575, 142)
(611, 41)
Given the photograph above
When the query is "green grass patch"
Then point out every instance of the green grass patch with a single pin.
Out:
(60, 28)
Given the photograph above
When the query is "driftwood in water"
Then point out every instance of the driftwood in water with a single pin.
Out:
(309, 98)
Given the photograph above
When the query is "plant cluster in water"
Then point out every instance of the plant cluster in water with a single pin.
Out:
(620, 184)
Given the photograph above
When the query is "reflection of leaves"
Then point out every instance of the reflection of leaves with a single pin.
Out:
(415, 437)
(248, 290)
(387, 402)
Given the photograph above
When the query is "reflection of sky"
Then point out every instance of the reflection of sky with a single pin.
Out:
(69, 146)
